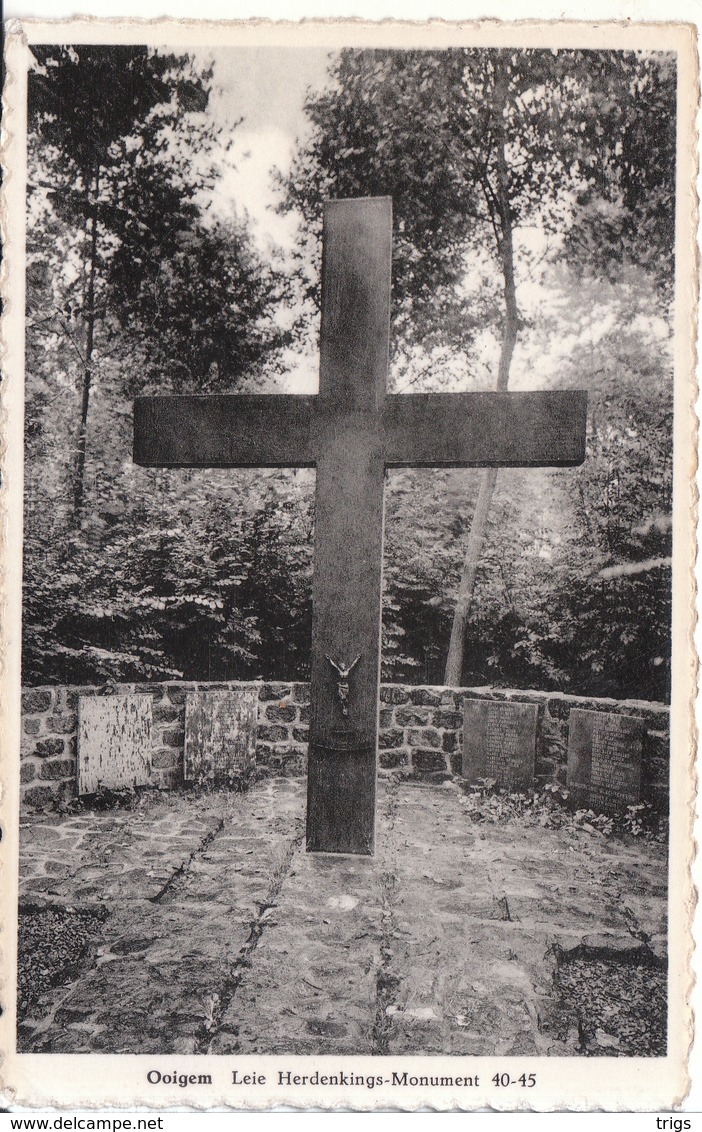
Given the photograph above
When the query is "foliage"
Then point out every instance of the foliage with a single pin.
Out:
(195, 575)
(207, 574)
(551, 808)
(625, 207)
(589, 127)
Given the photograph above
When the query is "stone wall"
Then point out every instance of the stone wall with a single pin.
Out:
(420, 732)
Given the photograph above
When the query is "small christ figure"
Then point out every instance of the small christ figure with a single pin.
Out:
(342, 684)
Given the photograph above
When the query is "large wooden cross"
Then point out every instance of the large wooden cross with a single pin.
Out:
(351, 432)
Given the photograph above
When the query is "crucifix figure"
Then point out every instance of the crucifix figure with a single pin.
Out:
(342, 684)
(351, 432)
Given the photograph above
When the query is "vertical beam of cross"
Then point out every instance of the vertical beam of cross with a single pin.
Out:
(349, 525)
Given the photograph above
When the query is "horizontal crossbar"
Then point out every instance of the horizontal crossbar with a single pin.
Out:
(231, 431)
(517, 430)
(411, 430)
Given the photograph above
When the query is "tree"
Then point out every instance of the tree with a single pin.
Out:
(90, 107)
(132, 287)
(121, 157)
(475, 146)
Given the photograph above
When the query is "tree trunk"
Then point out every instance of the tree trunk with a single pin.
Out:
(503, 217)
(88, 360)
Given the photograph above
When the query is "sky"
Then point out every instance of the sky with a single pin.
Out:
(266, 87)
(258, 97)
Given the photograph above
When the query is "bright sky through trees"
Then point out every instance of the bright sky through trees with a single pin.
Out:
(258, 97)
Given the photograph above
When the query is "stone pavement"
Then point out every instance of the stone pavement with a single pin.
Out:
(223, 935)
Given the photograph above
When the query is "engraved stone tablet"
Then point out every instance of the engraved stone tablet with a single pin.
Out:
(604, 760)
(220, 736)
(499, 741)
(114, 742)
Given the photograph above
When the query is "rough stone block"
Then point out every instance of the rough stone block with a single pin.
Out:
(67, 789)
(61, 723)
(178, 692)
(449, 741)
(423, 760)
(456, 762)
(39, 796)
(174, 737)
(393, 694)
(289, 758)
(170, 778)
(36, 699)
(450, 719)
(406, 716)
(67, 698)
(558, 707)
(282, 689)
(45, 748)
(56, 769)
(273, 734)
(301, 693)
(396, 757)
(168, 713)
(28, 771)
(429, 696)
(281, 713)
(656, 746)
(305, 713)
(386, 718)
(546, 768)
(31, 725)
(657, 716)
(393, 737)
(301, 734)
(164, 758)
(267, 692)
(553, 728)
(424, 737)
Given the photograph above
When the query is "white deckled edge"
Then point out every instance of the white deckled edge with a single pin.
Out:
(12, 289)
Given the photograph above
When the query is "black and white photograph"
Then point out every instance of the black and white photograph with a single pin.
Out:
(349, 693)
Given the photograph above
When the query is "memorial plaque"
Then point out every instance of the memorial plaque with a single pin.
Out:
(114, 742)
(220, 736)
(499, 741)
(604, 760)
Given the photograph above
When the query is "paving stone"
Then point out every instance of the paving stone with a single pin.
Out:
(223, 935)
